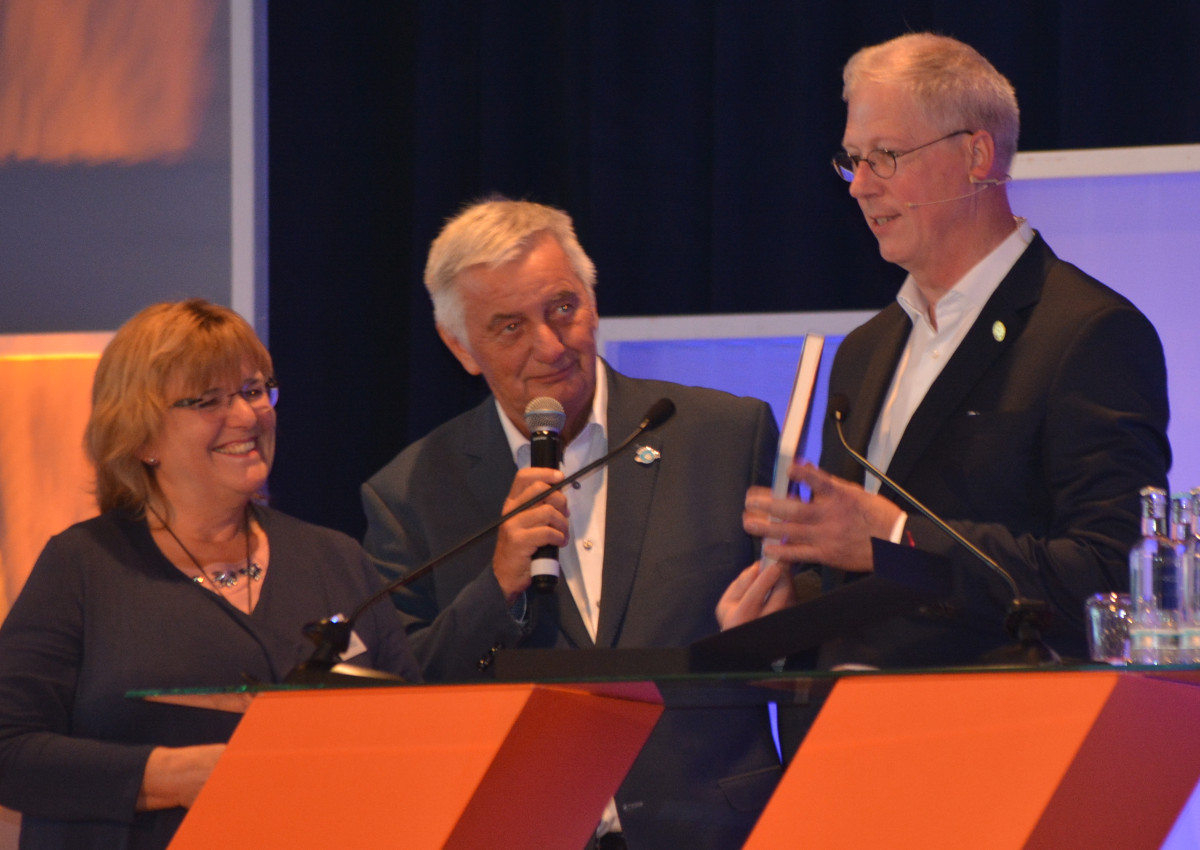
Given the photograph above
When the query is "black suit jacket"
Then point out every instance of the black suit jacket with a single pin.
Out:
(1033, 443)
(673, 543)
(104, 612)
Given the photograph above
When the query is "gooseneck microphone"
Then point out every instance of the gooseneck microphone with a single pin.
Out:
(1026, 618)
(545, 418)
(984, 185)
(332, 634)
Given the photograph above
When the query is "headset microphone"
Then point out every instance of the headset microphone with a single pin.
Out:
(984, 185)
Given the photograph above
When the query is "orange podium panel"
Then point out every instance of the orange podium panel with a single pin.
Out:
(990, 760)
(421, 766)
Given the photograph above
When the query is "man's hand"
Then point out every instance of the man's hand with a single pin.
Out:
(544, 524)
(757, 591)
(834, 527)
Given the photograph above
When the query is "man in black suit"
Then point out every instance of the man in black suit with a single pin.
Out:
(1017, 397)
(647, 545)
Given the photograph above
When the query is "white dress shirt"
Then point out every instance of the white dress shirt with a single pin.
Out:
(929, 347)
(582, 559)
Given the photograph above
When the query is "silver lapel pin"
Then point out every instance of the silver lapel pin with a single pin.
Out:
(647, 455)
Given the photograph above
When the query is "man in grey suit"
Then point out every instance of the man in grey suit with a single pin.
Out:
(1021, 400)
(647, 545)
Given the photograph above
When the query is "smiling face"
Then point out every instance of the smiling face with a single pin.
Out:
(530, 331)
(923, 239)
(214, 456)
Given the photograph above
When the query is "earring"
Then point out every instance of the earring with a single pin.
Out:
(151, 461)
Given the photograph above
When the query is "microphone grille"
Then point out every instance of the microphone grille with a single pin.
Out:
(659, 412)
(545, 414)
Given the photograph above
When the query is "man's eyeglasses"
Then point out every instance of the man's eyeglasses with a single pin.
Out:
(880, 160)
(259, 394)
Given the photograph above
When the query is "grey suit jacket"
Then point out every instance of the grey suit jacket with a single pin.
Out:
(673, 543)
(1032, 443)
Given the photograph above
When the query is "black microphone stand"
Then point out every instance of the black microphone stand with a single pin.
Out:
(1025, 620)
(332, 634)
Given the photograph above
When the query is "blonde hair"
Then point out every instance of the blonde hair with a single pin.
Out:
(493, 232)
(192, 344)
(954, 86)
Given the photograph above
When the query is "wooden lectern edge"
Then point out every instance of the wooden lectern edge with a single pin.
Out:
(238, 702)
(235, 703)
(636, 691)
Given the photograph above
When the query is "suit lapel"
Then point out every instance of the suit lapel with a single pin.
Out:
(876, 380)
(570, 622)
(630, 492)
(489, 459)
(980, 348)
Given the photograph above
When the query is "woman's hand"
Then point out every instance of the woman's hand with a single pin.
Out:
(175, 775)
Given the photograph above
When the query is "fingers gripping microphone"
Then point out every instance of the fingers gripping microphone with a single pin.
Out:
(1026, 618)
(545, 419)
(332, 634)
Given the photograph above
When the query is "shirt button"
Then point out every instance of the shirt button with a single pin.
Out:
(587, 544)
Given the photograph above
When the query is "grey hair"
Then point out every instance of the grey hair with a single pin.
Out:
(954, 86)
(493, 232)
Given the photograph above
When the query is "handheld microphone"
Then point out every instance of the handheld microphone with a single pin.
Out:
(545, 418)
(1026, 618)
(332, 634)
(984, 186)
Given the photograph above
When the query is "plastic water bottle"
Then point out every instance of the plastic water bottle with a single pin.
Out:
(1155, 586)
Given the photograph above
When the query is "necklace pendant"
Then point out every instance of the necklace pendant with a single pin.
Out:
(225, 578)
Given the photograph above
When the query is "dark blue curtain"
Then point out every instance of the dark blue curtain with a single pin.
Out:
(690, 141)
